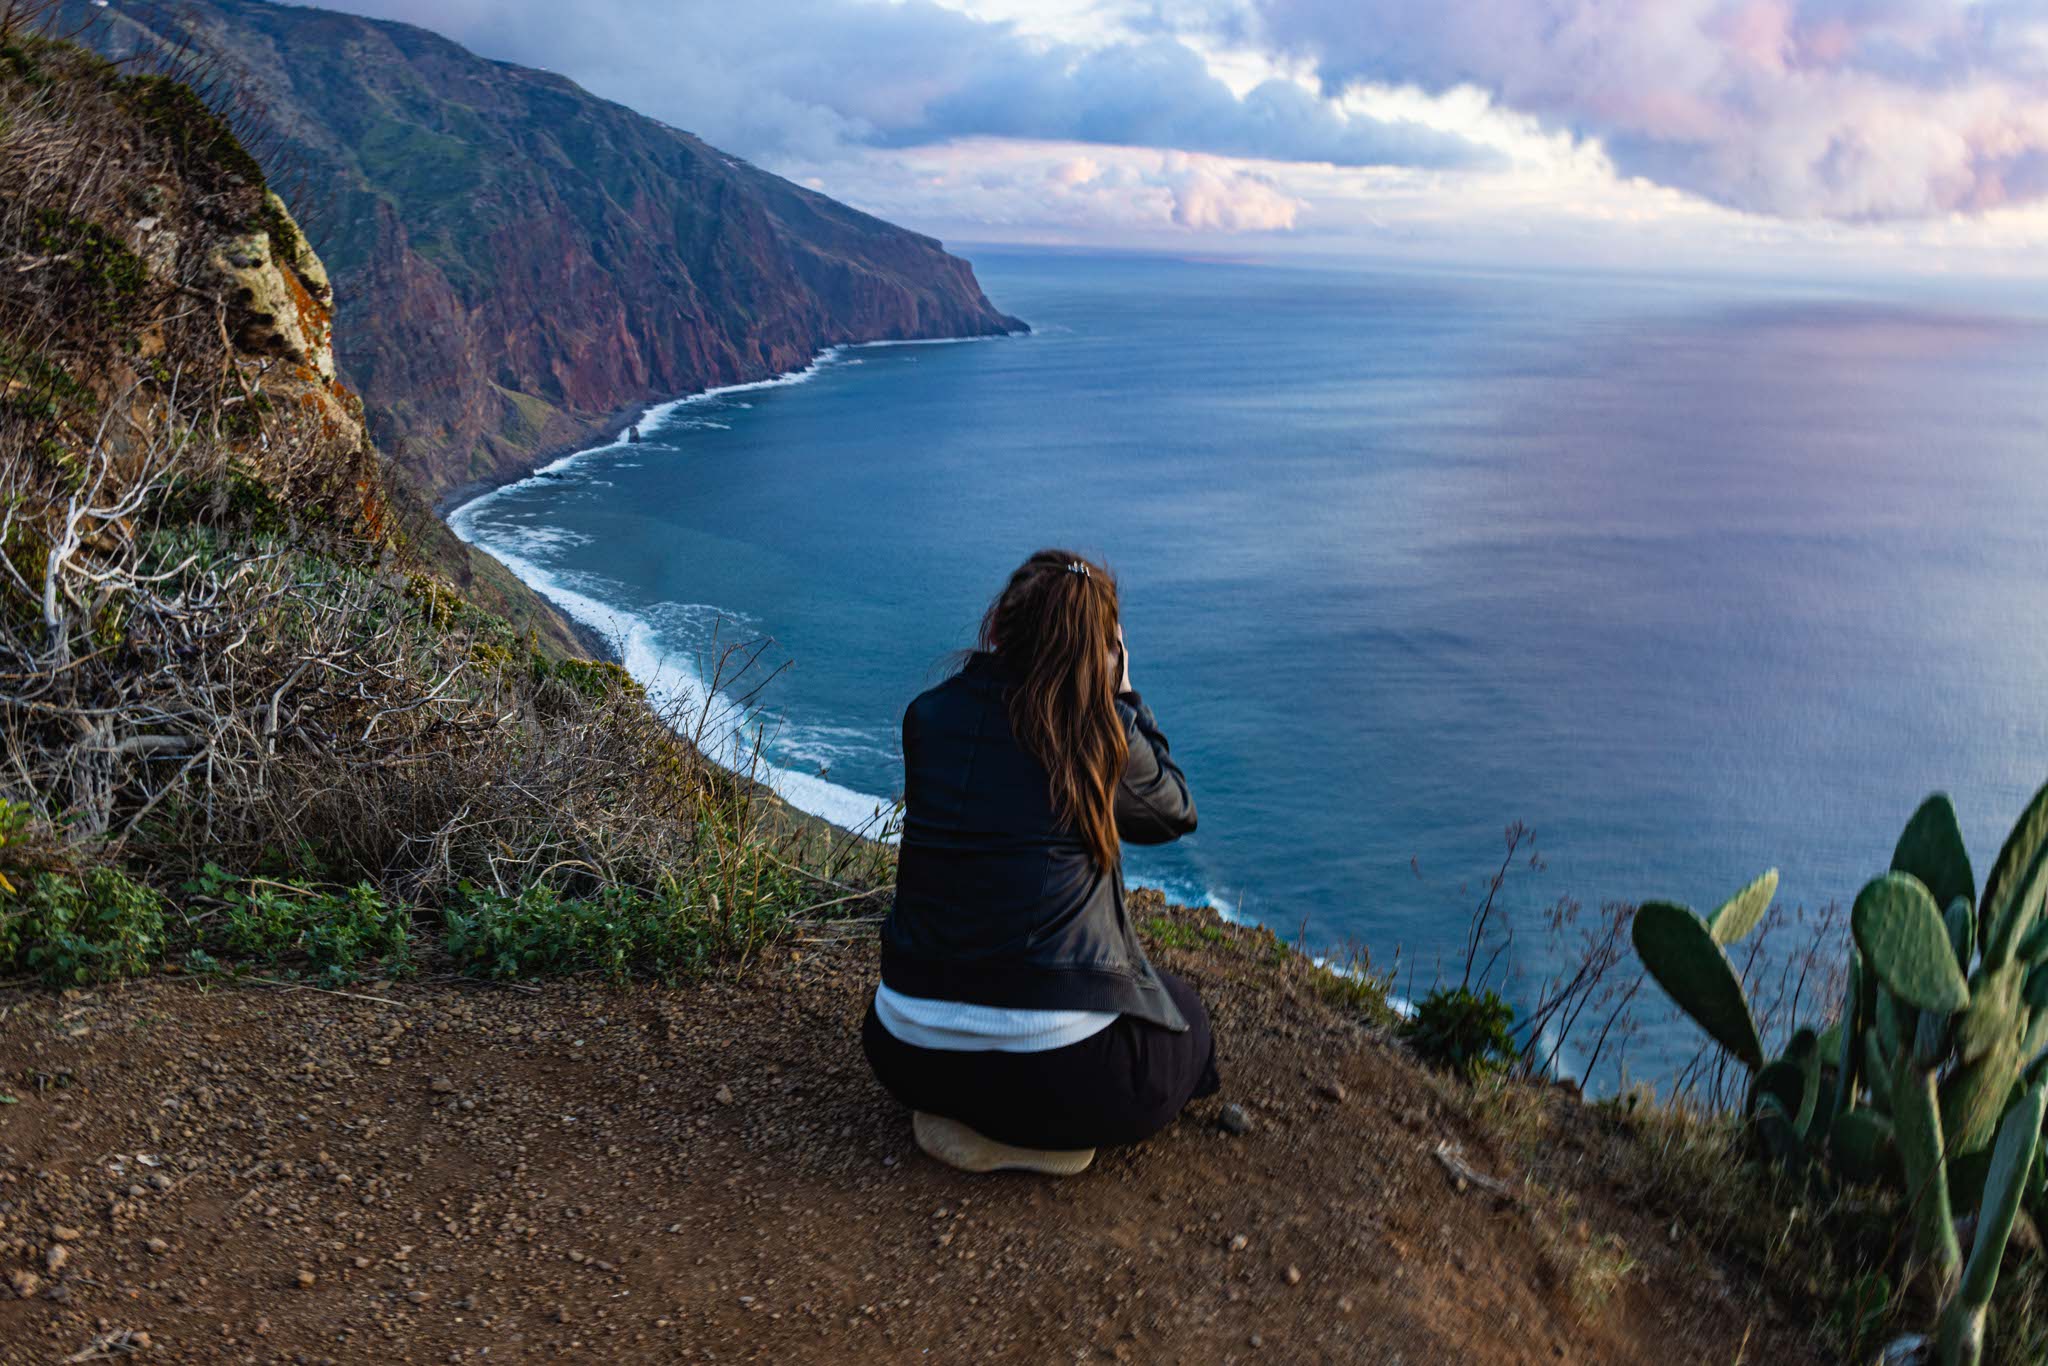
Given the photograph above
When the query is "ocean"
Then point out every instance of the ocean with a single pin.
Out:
(1694, 577)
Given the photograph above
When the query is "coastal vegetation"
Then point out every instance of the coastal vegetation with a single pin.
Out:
(246, 720)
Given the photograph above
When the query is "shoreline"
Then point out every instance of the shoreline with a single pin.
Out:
(617, 631)
(618, 421)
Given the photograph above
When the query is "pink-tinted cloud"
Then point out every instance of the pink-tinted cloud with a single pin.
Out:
(1848, 109)
(1212, 196)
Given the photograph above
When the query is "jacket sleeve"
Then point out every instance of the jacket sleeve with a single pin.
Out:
(1153, 805)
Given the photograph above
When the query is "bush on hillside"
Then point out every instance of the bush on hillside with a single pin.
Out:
(1463, 1031)
(98, 926)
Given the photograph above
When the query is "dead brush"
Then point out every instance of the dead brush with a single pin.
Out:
(214, 649)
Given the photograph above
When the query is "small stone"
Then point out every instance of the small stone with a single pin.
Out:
(157, 1247)
(416, 1297)
(26, 1283)
(1344, 1304)
(1240, 1243)
(441, 1085)
(1233, 1120)
(724, 1095)
(1256, 1340)
(1293, 1275)
(307, 1280)
(65, 1234)
(56, 1257)
(1334, 1091)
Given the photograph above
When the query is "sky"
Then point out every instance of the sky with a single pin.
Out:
(1794, 135)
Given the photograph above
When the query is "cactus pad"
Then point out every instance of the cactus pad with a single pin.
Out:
(1931, 849)
(2029, 833)
(1995, 1011)
(1740, 913)
(1903, 940)
(2019, 912)
(2012, 1161)
(1680, 953)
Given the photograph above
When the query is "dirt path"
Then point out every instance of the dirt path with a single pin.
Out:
(251, 1174)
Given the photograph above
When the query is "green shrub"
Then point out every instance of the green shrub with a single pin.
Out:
(95, 927)
(1463, 1031)
(618, 931)
(340, 932)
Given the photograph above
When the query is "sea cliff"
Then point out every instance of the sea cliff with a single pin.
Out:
(522, 260)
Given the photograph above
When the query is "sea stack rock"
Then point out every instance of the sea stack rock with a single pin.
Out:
(633, 435)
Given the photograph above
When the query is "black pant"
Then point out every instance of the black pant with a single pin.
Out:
(1119, 1085)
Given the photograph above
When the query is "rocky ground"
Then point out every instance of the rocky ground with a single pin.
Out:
(433, 1170)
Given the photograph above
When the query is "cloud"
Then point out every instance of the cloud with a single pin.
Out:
(1846, 109)
(1043, 191)
(783, 80)
(1211, 196)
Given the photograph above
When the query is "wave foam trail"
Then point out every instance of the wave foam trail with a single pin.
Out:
(724, 731)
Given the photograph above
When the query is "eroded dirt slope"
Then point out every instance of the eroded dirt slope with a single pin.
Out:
(250, 1173)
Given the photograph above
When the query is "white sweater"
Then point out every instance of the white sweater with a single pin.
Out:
(954, 1026)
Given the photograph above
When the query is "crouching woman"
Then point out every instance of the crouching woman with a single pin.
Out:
(1018, 1016)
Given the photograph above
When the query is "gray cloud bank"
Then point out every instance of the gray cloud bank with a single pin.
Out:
(1846, 109)
(804, 80)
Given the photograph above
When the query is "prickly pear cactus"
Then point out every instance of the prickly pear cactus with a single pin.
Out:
(1740, 913)
(1681, 952)
(1961, 1340)
(1900, 932)
(1931, 849)
(1933, 1078)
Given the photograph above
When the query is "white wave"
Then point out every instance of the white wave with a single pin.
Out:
(538, 540)
(1194, 894)
(929, 341)
(723, 728)
(654, 417)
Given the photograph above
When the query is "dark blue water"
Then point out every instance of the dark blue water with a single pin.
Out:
(1694, 578)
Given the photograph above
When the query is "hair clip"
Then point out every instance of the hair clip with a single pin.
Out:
(1077, 567)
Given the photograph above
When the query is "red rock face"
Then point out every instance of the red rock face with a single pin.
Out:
(516, 260)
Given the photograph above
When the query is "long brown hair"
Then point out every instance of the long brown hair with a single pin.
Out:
(1056, 622)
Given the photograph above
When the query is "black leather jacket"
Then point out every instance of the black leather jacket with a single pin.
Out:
(997, 902)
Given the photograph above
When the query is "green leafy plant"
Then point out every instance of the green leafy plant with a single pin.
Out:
(1463, 1031)
(1932, 1079)
(616, 932)
(95, 927)
(340, 932)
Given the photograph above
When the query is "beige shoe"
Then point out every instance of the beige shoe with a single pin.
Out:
(953, 1143)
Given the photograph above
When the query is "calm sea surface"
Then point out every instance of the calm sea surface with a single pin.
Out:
(1693, 578)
